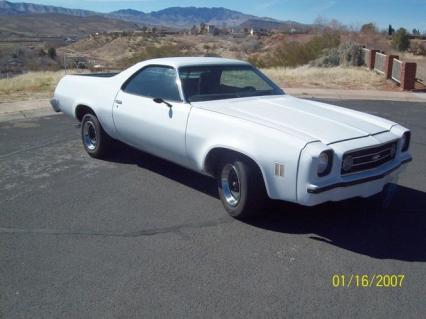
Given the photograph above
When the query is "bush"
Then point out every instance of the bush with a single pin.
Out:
(257, 61)
(369, 28)
(353, 55)
(418, 48)
(400, 40)
(347, 54)
(51, 52)
(251, 45)
(295, 53)
(330, 58)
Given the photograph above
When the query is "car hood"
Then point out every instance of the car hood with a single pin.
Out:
(309, 119)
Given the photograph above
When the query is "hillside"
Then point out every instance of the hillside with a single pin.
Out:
(52, 25)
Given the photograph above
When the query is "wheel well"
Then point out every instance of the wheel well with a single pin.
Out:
(215, 156)
(82, 110)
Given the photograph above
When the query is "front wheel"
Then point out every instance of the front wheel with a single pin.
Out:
(241, 187)
(96, 141)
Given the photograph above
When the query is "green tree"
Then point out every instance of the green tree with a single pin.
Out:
(391, 30)
(51, 52)
(400, 40)
(369, 28)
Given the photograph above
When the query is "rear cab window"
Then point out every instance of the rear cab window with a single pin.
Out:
(155, 82)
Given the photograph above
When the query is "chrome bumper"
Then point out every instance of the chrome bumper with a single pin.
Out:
(55, 105)
(318, 190)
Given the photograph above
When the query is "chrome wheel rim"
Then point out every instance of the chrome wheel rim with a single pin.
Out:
(89, 135)
(230, 183)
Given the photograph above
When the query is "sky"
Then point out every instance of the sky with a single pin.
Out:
(400, 13)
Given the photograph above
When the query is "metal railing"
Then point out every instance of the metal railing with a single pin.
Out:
(396, 70)
(379, 63)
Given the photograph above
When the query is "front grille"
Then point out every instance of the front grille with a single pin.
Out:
(368, 158)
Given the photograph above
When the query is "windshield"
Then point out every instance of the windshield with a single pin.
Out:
(214, 82)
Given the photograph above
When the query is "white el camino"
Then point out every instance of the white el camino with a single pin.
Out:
(226, 119)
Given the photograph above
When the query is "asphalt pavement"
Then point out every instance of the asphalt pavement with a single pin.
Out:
(135, 236)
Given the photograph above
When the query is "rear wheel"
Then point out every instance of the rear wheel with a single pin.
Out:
(241, 187)
(96, 141)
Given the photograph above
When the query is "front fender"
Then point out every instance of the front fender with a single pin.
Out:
(266, 146)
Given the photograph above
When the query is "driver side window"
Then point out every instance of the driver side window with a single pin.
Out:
(154, 81)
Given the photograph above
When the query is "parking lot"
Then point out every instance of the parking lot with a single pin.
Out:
(136, 236)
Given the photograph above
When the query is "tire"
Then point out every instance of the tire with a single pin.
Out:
(241, 187)
(96, 141)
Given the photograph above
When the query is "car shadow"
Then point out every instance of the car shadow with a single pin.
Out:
(393, 229)
(124, 154)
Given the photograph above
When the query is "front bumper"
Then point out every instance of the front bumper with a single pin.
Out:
(317, 190)
(55, 105)
(362, 187)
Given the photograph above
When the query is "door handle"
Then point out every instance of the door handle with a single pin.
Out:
(118, 102)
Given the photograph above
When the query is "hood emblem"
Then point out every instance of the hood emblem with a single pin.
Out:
(375, 157)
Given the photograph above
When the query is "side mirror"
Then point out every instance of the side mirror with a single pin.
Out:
(160, 100)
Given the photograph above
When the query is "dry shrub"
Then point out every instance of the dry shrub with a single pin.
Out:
(347, 54)
(333, 78)
(417, 47)
(295, 53)
(30, 82)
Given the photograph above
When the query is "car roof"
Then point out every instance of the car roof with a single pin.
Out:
(193, 61)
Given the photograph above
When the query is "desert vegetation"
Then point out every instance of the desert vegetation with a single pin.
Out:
(331, 78)
(291, 53)
(40, 84)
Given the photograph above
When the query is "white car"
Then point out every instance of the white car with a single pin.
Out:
(224, 118)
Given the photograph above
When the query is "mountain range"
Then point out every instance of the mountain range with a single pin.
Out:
(20, 8)
(178, 17)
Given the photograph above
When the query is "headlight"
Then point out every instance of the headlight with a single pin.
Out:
(405, 143)
(325, 161)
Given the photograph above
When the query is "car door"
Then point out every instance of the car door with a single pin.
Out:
(157, 127)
